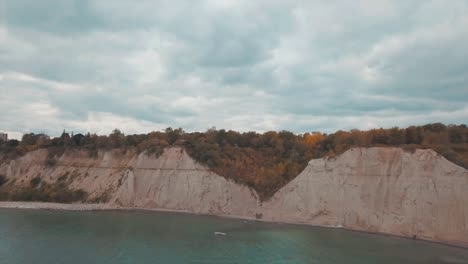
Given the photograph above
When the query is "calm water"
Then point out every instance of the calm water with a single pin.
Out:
(31, 236)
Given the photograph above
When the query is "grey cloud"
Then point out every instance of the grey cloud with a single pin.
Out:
(60, 17)
(296, 65)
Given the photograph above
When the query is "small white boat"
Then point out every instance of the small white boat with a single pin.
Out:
(219, 233)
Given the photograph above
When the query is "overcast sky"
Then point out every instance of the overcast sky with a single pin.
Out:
(244, 65)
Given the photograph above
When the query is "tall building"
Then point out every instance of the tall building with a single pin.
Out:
(3, 136)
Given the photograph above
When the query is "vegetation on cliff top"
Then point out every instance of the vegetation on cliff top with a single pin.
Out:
(265, 162)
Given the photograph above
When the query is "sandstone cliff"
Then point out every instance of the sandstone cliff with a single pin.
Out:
(385, 190)
(172, 181)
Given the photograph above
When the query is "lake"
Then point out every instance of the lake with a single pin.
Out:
(39, 236)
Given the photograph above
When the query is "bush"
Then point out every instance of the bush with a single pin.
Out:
(3, 179)
(46, 193)
(103, 198)
(35, 181)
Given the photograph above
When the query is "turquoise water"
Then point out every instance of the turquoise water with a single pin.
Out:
(33, 236)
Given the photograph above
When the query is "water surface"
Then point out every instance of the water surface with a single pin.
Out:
(47, 237)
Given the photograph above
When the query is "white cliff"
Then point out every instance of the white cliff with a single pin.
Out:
(384, 190)
(175, 181)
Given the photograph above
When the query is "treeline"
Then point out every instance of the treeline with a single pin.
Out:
(263, 161)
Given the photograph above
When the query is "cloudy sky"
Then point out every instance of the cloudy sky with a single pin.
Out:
(244, 65)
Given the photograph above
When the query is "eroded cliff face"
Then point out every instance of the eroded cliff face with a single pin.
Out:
(385, 190)
(172, 181)
(175, 181)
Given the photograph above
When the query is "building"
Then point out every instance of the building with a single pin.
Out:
(3, 136)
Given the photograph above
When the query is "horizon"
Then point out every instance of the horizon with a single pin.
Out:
(56, 135)
(299, 66)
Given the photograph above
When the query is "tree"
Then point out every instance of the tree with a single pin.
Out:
(396, 136)
(313, 140)
(174, 134)
(413, 135)
(78, 139)
(28, 139)
(456, 134)
(65, 135)
(379, 136)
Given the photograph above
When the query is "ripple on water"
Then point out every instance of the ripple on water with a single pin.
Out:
(34, 236)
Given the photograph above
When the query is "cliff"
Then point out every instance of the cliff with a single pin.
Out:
(384, 190)
(171, 181)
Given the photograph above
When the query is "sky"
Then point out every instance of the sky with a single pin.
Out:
(92, 66)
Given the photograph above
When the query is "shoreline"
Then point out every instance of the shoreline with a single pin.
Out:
(55, 206)
(78, 207)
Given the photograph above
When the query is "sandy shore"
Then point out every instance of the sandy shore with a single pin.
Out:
(57, 206)
(94, 207)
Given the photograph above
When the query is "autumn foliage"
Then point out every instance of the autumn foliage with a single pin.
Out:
(262, 161)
